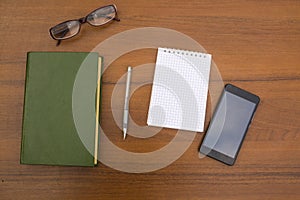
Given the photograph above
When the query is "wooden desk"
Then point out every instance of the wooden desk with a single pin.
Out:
(255, 45)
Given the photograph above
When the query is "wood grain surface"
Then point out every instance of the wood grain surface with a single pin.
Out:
(255, 45)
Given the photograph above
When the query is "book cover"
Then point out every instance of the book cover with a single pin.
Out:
(49, 134)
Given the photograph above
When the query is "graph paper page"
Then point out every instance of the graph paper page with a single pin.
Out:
(179, 91)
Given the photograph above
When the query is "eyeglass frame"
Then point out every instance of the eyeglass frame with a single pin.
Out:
(83, 20)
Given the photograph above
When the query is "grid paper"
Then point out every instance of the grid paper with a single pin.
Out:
(179, 91)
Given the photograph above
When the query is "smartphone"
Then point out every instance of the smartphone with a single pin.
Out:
(229, 124)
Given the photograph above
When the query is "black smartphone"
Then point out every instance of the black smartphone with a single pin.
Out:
(229, 124)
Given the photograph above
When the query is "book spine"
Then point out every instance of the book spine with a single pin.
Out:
(24, 106)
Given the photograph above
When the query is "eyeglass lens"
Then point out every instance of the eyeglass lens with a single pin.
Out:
(65, 30)
(101, 16)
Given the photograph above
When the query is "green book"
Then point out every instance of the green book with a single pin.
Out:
(61, 108)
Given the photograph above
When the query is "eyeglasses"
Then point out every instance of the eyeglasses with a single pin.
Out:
(70, 28)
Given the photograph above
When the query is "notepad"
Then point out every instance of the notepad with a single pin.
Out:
(179, 91)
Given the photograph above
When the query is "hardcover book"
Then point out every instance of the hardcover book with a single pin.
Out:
(50, 135)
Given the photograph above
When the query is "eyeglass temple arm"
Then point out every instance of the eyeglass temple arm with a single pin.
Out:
(63, 34)
(109, 17)
(58, 43)
(116, 19)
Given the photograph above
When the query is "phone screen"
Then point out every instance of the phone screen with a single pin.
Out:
(229, 124)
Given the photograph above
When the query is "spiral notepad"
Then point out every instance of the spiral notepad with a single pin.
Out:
(179, 91)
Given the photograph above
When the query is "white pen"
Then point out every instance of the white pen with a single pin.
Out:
(126, 104)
